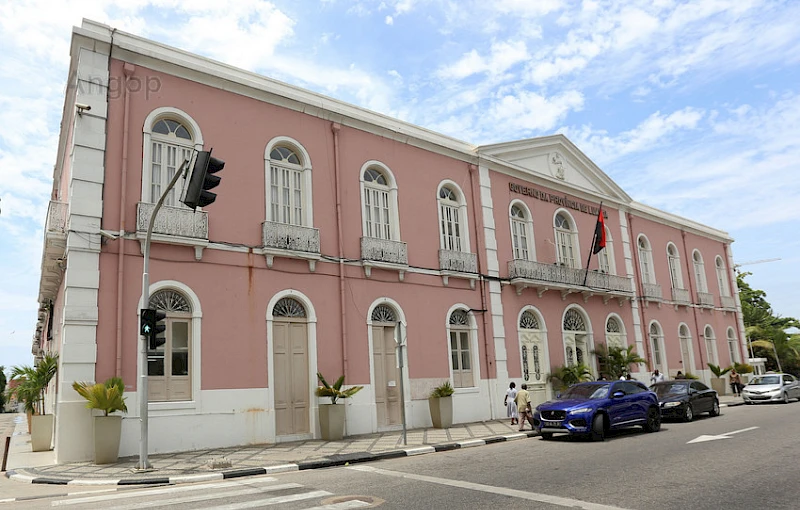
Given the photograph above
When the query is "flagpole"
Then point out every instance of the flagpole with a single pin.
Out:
(591, 250)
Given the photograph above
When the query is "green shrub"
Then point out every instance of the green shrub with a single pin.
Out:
(443, 390)
(106, 397)
(335, 392)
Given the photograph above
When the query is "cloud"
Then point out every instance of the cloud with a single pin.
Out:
(389, 20)
(502, 56)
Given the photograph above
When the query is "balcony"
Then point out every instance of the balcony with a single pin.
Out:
(290, 241)
(728, 302)
(458, 264)
(705, 299)
(544, 277)
(652, 292)
(681, 297)
(174, 225)
(384, 254)
(55, 242)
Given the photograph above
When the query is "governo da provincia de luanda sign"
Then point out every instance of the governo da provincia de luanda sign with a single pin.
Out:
(562, 200)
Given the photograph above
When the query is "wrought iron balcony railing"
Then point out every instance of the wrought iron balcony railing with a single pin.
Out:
(281, 236)
(173, 221)
(681, 296)
(705, 299)
(566, 277)
(458, 261)
(728, 302)
(652, 291)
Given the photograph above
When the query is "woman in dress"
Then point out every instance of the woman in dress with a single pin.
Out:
(511, 406)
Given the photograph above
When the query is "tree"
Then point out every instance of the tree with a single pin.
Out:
(2, 388)
(564, 377)
(616, 361)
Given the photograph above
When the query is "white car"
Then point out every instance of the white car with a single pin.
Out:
(771, 388)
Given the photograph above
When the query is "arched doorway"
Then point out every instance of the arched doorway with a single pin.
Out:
(576, 339)
(384, 361)
(533, 351)
(169, 365)
(290, 366)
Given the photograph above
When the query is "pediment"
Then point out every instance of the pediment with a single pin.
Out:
(555, 158)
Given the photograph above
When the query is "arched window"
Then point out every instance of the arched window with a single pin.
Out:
(686, 348)
(674, 262)
(722, 277)
(169, 366)
(532, 347)
(521, 232)
(656, 343)
(576, 337)
(567, 253)
(460, 349)
(454, 234)
(615, 334)
(288, 178)
(379, 201)
(288, 307)
(646, 260)
(733, 346)
(171, 142)
(711, 345)
(384, 313)
(606, 256)
(699, 272)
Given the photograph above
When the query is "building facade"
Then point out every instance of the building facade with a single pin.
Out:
(337, 233)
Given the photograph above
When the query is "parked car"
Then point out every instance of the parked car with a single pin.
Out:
(594, 408)
(771, 388)
(685, 399)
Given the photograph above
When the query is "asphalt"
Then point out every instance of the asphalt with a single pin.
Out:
(252, 460)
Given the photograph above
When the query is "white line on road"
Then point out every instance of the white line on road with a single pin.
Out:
(503, 491)
(272, 501)
(156, 492)
(244, 491)
(344, 505)
(703, 438)
(737, 431)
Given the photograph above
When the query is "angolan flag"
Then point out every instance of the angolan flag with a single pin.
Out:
(599, 233)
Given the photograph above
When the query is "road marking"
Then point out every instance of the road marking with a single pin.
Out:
(503, 491)
(344, 505)
(216, 495)
(156, 492)
(271, 501)
(727, 435)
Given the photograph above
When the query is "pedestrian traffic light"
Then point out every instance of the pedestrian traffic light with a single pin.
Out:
(202, 179)
(153, 327)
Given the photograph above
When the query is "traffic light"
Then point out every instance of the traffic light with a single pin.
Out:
(153, 327)
(203, 179)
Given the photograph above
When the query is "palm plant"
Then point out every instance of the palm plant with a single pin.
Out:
(718, 371)
(107, 396)
(335, 391)
(443, 390)
(565, 376)
(615, 361)
(777, 344)
(34, 382)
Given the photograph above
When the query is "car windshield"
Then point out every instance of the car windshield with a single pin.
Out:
(767, 379)
(586, 392)
(670, 390)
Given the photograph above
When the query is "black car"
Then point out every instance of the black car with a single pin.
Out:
(685, 398)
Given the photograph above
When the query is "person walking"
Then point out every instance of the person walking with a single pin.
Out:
(736, 383)
(656, 377)
(523, 400)
(511, 405)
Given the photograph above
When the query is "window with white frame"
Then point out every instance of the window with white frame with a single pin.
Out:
(606, 256)
(520, 228)
(286, 186)
(733, 346)
(722, 277)
(170, 144)
(674, 262)
(646, 260)
(378, 207)
(169, 366)
(452, 223)
(460, 349)
(685, 338)
(711, 347)
(656, 341)
(565, 241)
(699, 272)
(615, 334)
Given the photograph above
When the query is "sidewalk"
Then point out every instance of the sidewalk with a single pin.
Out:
(217, 464)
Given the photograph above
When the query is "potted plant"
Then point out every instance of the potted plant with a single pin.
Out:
(441, 405)
(31, 390)
(331, 416)
(717, 382)
(106, 397)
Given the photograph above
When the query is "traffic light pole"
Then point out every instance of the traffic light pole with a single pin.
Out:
(144, 464)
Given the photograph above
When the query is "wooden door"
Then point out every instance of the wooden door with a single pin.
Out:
(290, 364)
(387, 375)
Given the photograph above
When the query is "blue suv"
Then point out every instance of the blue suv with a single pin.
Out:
(594, 408)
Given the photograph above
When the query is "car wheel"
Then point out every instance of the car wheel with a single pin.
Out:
(653, 420)
(715, 408)
(547, 436)
(688, 413)
(785, 398)
(598, 428)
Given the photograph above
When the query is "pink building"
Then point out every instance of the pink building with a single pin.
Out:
(337, 232)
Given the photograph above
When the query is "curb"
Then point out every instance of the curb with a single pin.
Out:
(331, 461)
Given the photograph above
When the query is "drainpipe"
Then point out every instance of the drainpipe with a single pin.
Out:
(689, 260)
(480, 247)
(335, 128)
(637, 270)
(127, 70)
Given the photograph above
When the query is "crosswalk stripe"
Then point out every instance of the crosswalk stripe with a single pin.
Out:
(155, 492)
(206, 497)
(272, 501)
(344, 505)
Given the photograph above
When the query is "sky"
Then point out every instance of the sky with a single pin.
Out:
(692, 107)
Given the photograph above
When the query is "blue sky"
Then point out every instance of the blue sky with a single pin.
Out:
(691, 107)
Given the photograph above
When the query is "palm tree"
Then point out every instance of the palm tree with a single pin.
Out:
(777, 343)
(616, 361)
(34, 382)
(566, 376)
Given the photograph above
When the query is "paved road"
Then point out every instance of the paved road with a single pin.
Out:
(753, 466)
